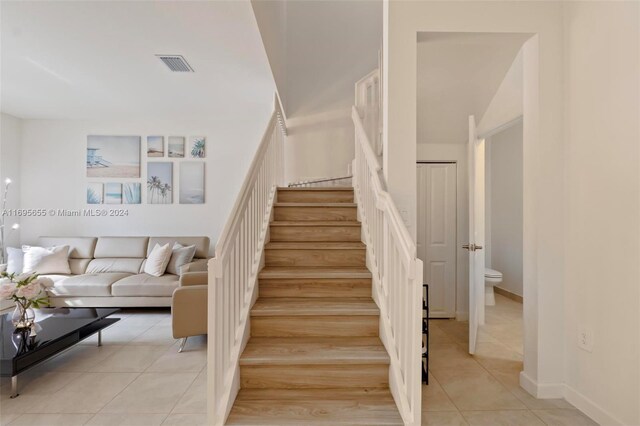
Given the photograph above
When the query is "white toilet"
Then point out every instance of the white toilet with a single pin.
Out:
(491, 278)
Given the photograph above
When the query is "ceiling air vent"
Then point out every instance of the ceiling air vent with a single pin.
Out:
(176, 63)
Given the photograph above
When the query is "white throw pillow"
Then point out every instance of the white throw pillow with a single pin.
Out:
(180, 255)
(15, 258)
(158, 259)
(46, 260)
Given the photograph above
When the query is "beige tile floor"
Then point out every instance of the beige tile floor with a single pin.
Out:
(137, 378)
(484, 389)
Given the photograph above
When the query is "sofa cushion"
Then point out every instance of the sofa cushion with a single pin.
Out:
(87, 285)
(121, 247)
(128, 265)
(180, 256)
(78, 266)
(46, 260)
(201, 243)
(80, 247)
(158, 260)
(145, 285)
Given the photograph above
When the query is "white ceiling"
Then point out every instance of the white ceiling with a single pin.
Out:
(88, 60)
(318, 49)
(330, 46)
(458, 75)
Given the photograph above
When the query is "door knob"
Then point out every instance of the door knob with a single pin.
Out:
(471, 247)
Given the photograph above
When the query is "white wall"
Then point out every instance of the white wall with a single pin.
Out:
(505, 213)
(319, 145)
(543, 138)
(602, 286)
(10, 142)
(53, 176)
(271, 17)
(506, 105)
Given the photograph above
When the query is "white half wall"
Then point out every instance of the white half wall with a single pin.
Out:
(53, 176)
(506, 206)
(602, 286)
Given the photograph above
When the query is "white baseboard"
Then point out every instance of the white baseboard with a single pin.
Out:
(462, 316)
(590, 408)
(575, 398)
(541, 390)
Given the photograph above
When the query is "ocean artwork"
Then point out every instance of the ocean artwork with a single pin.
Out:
(131, 193)
(192, 182)
(155, 146)
(113, 156)
(197, 146)
(94, 193)
(176, 146)
(159, 183)
(113, 193)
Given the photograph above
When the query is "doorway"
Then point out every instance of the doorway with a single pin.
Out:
(436, 237)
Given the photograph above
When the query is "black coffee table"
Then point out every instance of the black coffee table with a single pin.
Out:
(58, 329)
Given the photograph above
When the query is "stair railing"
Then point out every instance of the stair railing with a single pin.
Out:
(397, 276)
(233, 272)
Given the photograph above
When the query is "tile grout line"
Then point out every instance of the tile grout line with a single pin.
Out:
(138, 374)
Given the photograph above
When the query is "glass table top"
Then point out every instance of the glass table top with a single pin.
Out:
(52, 324)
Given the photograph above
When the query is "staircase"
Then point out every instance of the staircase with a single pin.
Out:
(314, 356)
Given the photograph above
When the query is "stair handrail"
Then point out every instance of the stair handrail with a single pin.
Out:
(234, 270)
(397, 276)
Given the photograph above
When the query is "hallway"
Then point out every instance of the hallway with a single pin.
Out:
(483, 389)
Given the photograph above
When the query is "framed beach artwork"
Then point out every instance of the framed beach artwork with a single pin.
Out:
(197, 146)
(131, 193)
(113, 193)
(113, 156)
(159, 182)
(192, 182)
(94, 193)
(176, 146)
(155, 146)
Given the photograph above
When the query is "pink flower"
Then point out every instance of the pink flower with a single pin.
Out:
(7, 289)
(29, 291)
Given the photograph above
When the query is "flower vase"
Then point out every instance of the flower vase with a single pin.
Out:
(23, 317)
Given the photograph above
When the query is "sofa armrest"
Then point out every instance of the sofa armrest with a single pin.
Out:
(194, 278)
(189, 311)
(198, 265)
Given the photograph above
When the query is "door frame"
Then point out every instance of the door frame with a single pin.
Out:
(455, 236)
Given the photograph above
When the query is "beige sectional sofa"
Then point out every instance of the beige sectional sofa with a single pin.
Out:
(107, 271)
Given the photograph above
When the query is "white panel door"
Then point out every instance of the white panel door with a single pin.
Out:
(437, 235)
(476, 234)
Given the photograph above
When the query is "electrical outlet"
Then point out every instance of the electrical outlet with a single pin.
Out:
(585, 339)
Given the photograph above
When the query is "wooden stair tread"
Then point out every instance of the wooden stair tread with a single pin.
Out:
(278, 272)
(286, 306)
(314, 351)
(316, 205)
(318, 188)
(332, 394)
(315, 245)
(316, 407)
(315, 223)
